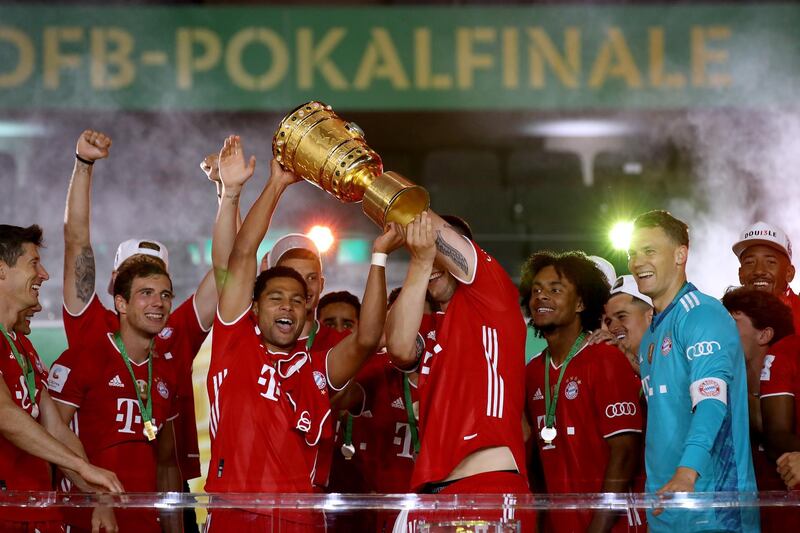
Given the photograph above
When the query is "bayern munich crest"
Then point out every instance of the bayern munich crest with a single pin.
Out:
(571, 390)
(165, 333)
(320, 380)
(709, 388)
(666, 346)
(162, 389)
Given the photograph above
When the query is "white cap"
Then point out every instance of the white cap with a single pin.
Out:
(766, 234)
(605, 267)
(291, 241)
(133, 247)
(627, 285)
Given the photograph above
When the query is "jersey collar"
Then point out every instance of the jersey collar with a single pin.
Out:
(657, 319)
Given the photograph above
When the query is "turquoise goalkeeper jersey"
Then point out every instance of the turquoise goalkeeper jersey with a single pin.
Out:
(694, 380)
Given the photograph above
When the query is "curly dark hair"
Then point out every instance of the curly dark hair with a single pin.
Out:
(764, 309)
(589, 281)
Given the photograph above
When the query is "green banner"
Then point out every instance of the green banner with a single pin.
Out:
(399, 58)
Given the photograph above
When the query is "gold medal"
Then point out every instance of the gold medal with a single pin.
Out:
(548, 434)
(150, 430)
(348, 450)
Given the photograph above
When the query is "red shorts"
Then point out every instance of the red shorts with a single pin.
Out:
(239, 521)
(509, 483)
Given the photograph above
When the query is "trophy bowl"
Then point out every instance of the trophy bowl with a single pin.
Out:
(314, 143)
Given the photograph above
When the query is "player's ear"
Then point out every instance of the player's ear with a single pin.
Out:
(120, 304)
(681, 254)
(765, 336)
(255, 308)
(579, 307)
(790, 273)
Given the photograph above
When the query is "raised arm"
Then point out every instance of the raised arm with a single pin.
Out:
(79, 267)
(237, 173)
(236, 295)
(405, 316)
(346, 358)
(233, 172)
(453, 250)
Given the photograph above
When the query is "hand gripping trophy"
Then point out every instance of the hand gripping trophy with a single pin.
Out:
(314, 143)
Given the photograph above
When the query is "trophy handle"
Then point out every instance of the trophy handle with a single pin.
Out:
(393, 198)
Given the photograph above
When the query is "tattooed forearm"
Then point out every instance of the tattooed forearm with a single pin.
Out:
(84, 274)
(451, 253)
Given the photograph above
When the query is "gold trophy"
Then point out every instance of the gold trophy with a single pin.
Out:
(314, 143)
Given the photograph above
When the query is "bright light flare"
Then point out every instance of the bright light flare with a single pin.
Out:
(322, 237)
(620, 235)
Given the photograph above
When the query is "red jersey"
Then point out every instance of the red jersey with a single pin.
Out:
(471, 392)
(269, 412)
(325, 338)
(20, 470)
(793, 301)
(179, 342)
(598, 398)
(384, 457)
(780, 376)
(95, 380)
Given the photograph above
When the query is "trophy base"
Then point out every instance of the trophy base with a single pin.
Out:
(469, 526)
(393, 198)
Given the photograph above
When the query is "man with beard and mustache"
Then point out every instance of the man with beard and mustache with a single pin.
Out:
(582, 399)
(270, 408)
(765, 263)
(125, 392)
(31, 432)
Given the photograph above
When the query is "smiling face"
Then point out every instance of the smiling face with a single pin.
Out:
(554, 301)
(627, 318)
(149, 305)
(23, 280)
(657, 263)
(766, 269)
(281, 312)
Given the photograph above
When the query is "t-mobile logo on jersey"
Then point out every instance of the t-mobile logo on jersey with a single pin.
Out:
(268, 378)
(126, 409)
(403, 439)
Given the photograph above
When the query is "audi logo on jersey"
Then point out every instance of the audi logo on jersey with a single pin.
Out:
(614, 410)
(304, 422)
(702, 348)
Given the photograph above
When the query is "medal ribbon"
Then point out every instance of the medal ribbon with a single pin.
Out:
(412, 420)
(311, 335)
(146, 409)
(24, 364)
(550, 407)
(348, 430)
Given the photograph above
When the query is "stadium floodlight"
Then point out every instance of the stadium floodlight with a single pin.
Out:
(620, 235)
(322, 237)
